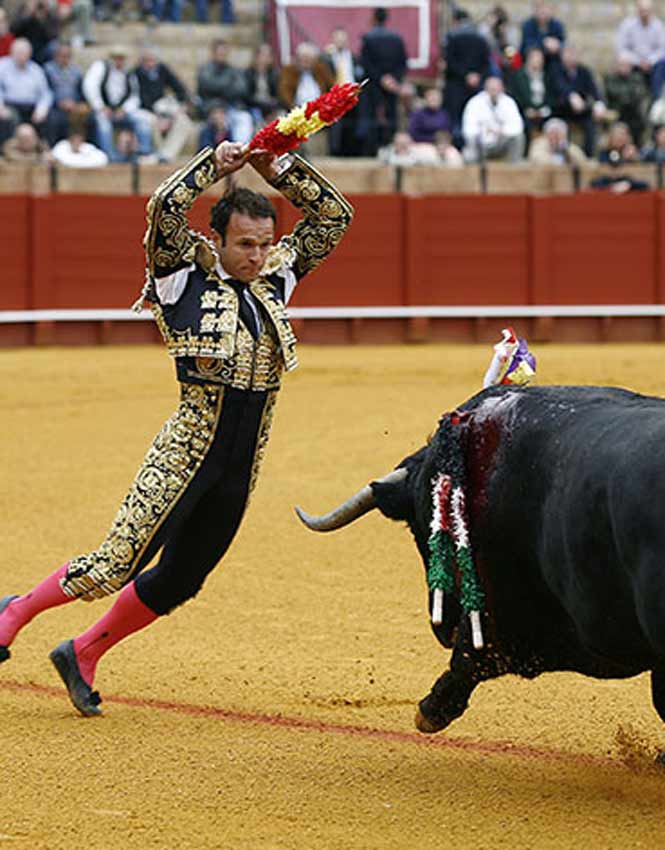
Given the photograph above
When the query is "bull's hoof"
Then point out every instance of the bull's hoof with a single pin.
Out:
(427, 726)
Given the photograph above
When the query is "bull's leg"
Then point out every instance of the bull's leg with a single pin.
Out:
(446, 701)
(449, 697)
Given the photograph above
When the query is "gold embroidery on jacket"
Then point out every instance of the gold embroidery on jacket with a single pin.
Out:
(176, 454)
(327, 215)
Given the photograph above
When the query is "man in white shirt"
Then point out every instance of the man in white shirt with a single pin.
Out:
(113, 95)
(74, 152)
(492, 125)
(342, 135)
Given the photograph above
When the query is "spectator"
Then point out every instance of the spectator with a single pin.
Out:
(544, 31)
(404, 151)
(425, 123)
(627, 94)
(172, 130)
(343, 135)
(446, 150)
(155, 81)
(69, 111)
(262, 78)
(37, 22)
(6, 36)
(656, 151)
(553, 146)
(163, 105)
(218, 81)
(618, 184)
(467, 58)
(383, 56)
(302, 81)
(75, 152)
(344, 64)
(113, 96)
(126, 148)
(641, 38)
(306, 79)
(77, 13)
(578, 100)
(531, 88)
(492, 125)
(619, 147)
(25, 146)
(226, 10)
(24, 91)
(503, 39)
(215, 130)
(168, 10)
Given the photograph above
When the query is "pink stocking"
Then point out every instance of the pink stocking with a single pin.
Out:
(127, 615)
(21, 610)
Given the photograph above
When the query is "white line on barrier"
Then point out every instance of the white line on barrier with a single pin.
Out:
(428, 312)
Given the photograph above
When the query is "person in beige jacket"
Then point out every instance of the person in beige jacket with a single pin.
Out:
(554, 148)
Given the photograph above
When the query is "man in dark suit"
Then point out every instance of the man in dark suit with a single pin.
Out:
(383, 56)
(544, 31)
(467, 57)
(578, 99)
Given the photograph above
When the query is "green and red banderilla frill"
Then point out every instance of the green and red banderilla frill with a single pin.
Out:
(451, 565)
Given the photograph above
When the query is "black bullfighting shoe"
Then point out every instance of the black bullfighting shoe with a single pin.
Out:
(5, 654)
(81, 694)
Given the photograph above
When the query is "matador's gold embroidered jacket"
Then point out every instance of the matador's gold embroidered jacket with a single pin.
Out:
(202, 328)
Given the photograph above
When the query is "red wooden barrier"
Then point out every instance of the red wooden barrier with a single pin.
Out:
(595, 249)
(85, 251)
(16, 254)
(467, 249)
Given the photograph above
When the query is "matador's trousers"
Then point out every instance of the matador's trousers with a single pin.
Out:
(187, 499)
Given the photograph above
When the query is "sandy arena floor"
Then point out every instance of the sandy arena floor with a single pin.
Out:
(275, 711)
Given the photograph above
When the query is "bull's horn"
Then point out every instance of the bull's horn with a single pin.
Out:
(360, 503)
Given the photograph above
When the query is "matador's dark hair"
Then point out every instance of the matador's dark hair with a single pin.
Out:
(240, 200)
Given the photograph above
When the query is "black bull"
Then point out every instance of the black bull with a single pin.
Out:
(565, 490)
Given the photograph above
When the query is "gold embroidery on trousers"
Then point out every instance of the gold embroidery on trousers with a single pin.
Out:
(172, 461)
(262, 440)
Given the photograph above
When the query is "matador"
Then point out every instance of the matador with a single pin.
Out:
(220, 305)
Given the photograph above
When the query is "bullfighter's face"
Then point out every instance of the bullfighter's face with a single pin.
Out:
(245, 248)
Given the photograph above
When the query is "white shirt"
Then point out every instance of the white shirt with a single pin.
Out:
(482, 120)
(87, 156)
(308, 89)
(171, 287)
(343, 63)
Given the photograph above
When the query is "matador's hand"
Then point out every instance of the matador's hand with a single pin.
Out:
(230, 157)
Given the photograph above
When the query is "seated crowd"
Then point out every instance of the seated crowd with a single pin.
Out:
(509, 93)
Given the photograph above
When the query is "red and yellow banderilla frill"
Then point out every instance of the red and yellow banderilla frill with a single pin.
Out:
(286, 133)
